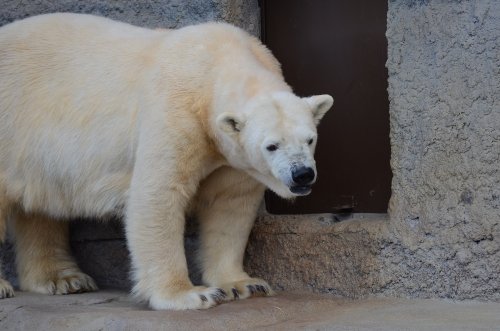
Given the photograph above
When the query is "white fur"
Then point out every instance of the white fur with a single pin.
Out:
(99, 117)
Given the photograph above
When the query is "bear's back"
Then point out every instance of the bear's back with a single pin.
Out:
(68, 25)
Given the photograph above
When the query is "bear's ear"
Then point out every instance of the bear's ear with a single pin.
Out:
(230, 123)
(320, 104)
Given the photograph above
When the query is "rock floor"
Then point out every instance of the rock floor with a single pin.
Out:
(113, 310)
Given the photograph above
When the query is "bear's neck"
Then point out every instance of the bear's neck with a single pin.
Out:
(230, 93)
(235, 87)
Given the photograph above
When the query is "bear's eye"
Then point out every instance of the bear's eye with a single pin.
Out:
(272, 147)
(310, 141)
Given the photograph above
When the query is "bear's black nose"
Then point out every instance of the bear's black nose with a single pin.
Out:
(303, 175)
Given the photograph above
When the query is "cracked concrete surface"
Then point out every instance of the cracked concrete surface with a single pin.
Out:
(112, 310)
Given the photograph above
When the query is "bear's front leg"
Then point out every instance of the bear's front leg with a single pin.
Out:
(156, 243)
(227, 205)
(165, 179)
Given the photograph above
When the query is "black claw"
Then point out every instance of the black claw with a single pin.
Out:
(219, 295)
(251, 288)
(235, 293)
(203, 298)
(217, 298)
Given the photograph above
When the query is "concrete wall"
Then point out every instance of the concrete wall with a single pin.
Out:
(149, 13)
(442, 237)
(444, 90)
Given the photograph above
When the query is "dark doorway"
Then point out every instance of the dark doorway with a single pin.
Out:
(339, 48)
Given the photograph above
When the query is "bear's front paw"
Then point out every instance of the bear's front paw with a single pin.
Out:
(6, 290)
(199, 297)
(246, 288)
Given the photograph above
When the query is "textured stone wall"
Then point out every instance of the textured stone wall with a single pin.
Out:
(444, 90)
(148, 13)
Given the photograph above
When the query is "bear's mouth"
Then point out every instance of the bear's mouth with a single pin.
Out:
(301, 189)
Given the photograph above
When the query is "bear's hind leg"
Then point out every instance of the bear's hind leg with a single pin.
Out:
(227, 205)
(44, 262)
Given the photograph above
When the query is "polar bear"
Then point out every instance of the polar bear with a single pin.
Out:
(101, 118)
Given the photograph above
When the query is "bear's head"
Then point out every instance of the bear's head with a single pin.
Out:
(273, 138)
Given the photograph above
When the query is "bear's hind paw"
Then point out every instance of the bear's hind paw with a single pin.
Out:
(6, 290)
(75, 283)
(64, 283)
